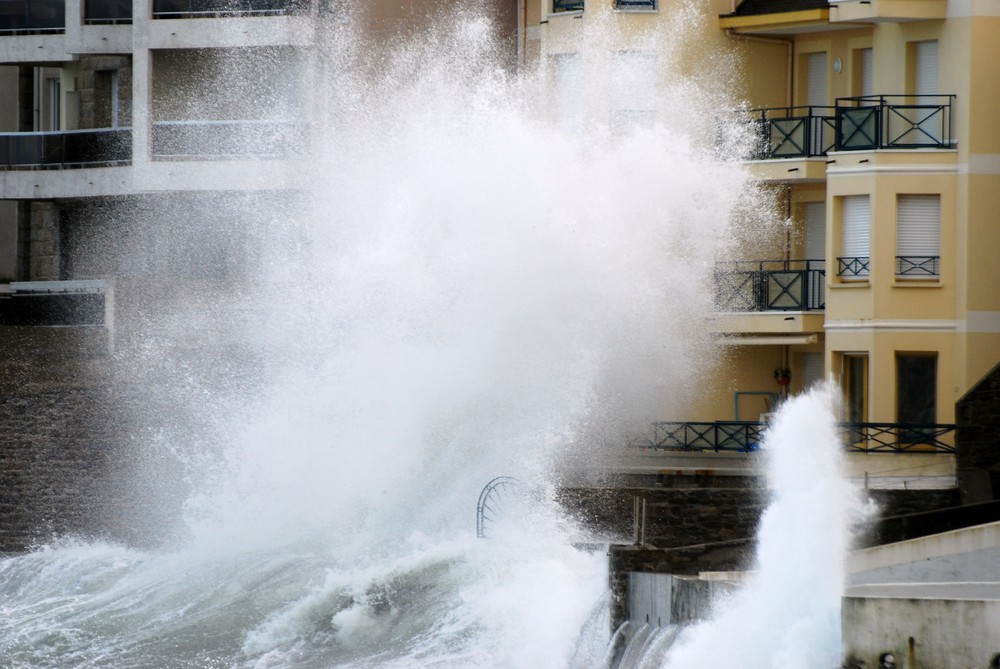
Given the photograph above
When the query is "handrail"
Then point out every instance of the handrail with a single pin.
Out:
(67, 148)
(749, 436)
(182, 9)
(770, 285)
(860, 123)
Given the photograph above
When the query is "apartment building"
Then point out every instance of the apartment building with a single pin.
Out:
(872, 126)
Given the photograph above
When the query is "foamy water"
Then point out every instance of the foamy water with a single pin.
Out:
(472, 291)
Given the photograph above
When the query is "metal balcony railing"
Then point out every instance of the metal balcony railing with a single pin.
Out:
(32, 16)
(853, 268)
(219, 140)
(895, 122)
(107, 11)
(187, 9)
(73, 148)
(748, 436)
(791, 132)
(771, 285)
(852, 124)
(918, 266)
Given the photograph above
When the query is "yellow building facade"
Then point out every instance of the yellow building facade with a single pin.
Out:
(874, 128)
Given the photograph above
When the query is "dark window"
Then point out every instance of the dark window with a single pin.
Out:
(567, 6)
(916, 389)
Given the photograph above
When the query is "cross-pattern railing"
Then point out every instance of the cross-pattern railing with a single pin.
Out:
(635, 4)
(771, 285)
(72, 148)
(32, 16)
(748, 436)
(894, 122)
(918, 266)
(852, 124)
(853, 267)
(791, 132)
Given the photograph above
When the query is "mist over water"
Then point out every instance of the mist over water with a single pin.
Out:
(470, 289)
(787, 612)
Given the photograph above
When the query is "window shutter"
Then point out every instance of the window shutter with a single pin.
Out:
(867, 73)
(815, 231)
(926, 74)
(918, 234)
(857, 233)
(568, 87)
(816, 88)
(812, 369)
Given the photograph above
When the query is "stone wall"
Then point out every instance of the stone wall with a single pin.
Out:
(93, 85)
(56, 411)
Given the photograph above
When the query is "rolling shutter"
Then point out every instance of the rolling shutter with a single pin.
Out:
(857, 233)
(867, 73)
(918, 234)
(815, 231)
(926, 68)
(816, 87)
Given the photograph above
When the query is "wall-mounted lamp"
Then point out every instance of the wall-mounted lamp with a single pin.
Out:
(838, 65)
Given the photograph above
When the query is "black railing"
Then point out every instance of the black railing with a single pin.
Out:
(567, 6)
(771, 285)
(107, 11)
(853, 267)
(894, 122)
(853, 124)
(179, 140)
(748, 436)
(635, 4)
(791, 132)
(918, 266)
(32, 16)
(184, 9)
(74, 148)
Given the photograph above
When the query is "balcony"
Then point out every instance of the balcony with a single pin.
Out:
(853, 124)
(61, 150)
(102, 12)
(32, 17)
(771, 285)
(748, 436)
(192, 9)
(223, 140)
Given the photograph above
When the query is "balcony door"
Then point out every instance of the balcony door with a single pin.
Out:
(855, 385)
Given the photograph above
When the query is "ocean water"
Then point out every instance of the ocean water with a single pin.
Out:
(473, 288)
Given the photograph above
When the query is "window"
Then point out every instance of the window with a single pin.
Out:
(567, 6)
(863, 72)
(916, 395)
(55, 107)
(567, 88)
(634, 88)
(816, 81)
(918, 236)
(854, 263)
(925, 67)
(855, 388)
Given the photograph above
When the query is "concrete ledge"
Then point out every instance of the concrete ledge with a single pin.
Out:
(967, 540)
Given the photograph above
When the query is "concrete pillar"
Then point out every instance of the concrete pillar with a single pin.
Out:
(46, 243)
(142, 88)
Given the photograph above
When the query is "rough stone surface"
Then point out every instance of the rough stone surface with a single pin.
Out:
(977, 434)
